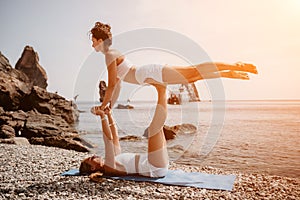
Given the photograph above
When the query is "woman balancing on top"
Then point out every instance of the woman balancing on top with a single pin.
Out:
(119, 68)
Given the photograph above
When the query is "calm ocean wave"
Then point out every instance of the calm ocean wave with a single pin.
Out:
(256, 136)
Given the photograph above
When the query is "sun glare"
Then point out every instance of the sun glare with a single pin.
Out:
(293, 6)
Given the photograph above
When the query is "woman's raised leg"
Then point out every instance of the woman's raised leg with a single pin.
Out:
(190, 74)
(208, 67)
(157, 147)
(228, 74)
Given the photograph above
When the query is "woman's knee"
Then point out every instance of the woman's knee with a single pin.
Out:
(160, 87)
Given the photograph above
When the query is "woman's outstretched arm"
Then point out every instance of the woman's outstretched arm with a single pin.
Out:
(110, 165)
(116, 93)
(112, 80)
(107, 137)
(114, 131)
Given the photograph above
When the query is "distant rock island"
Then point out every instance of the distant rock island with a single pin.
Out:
(175, 97)
(121, 106)
(28, 110)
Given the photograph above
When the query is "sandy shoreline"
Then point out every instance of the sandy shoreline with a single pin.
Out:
(33, 172)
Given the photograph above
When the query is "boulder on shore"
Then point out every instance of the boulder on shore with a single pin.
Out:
(171, 132)
(28, 110)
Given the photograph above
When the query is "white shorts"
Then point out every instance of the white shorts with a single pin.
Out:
(153, 71)
(147, 169)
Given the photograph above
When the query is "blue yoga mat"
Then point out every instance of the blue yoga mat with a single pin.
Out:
(179, 178)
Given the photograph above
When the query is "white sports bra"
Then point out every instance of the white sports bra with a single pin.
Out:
(123, 68)
(128, 161)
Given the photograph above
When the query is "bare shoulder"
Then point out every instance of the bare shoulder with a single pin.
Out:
(114, 171)
(113, 55)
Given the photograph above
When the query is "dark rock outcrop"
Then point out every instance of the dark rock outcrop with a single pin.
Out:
(130, 138)
(28, 110)
(29, 65)
(120, 106)
(6, 131)
(102, 90)
(174, 99)
(50, 103)
(171, 132)
(13, 85)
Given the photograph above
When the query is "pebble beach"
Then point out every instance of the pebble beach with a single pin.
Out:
(33, 172)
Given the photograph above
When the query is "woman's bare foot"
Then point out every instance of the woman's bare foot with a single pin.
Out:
(240, 75)
(235, 74)
(246, 67)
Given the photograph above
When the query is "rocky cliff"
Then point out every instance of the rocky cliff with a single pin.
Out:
(29, 65)
(28, 110)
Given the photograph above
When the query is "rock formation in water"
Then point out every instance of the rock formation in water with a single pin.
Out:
(121, 106)
(102, 90)
(28, 110)
(171, 132)
(175, 97)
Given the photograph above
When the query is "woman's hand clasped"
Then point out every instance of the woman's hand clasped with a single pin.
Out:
(107, 111)
(96, 110)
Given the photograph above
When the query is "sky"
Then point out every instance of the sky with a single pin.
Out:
(263, 32)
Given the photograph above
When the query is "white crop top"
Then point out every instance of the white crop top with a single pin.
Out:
(128, 161)
(123, 68)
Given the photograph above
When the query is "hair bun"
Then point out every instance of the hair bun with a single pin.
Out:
(106, 26)
(102, 26)
(98, 24)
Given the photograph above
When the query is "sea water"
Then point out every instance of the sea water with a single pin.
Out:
(247, 136)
